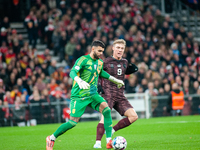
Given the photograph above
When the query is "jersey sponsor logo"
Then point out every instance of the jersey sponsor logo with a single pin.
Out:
(118, 65)
(77, 67)
(73, 111)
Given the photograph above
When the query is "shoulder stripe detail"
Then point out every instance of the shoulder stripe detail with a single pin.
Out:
(81, 60)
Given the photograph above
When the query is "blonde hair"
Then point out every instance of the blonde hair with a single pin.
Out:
(119, 41)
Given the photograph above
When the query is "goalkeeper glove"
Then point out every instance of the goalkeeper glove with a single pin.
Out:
(82, 84)
(119, 83)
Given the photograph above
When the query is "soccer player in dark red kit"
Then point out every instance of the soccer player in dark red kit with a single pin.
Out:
(117, 67)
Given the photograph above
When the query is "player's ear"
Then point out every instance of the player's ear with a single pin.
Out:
(92, 48)
(113, 48)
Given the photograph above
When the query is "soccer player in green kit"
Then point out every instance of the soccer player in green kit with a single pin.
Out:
(85, 74)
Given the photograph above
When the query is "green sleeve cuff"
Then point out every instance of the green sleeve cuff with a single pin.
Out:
(73, 74)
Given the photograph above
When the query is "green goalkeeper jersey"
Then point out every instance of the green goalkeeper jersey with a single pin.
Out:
(88, 70)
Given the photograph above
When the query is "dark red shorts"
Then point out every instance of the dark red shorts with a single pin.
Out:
(120, 104)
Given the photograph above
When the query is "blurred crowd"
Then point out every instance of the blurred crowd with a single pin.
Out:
(164, 52)
(194, 4)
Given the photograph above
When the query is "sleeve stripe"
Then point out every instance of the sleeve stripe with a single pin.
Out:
(80, 61)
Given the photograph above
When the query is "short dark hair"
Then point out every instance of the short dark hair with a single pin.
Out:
(98, 43)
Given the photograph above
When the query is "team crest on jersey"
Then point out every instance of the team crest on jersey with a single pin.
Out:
(124, 65)
(111, 66)
(95, 67)
(118, 65)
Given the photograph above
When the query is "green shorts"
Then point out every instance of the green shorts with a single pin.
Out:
(78, 106)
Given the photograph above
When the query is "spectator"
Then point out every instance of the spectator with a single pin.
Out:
(3, 35)
(32, 26)
(176, 29)
(18, 112)
(15, 92)
(167, 19)
(161, 109)
(69, 50)
(56, 41)
(167, 89)
(196, 104)
(78, 52)
(175, 49)
(52, 67)
(49, 32)
(131, 87)
(42, 24)
(40, 85)
(25, 96)
(159, 17)
(36, 111)
(2, 114)
(46, 115)
(11, 81)
(63, 7)
(58, 74)
(195, 87)
(20, 40)
(5, 23)
(52, 85)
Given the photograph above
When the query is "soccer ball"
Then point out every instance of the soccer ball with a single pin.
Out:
(119, 143)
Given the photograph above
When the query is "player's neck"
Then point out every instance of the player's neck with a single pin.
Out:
(92, 56)
(117, 58)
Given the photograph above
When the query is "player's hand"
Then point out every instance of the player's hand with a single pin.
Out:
(82, 84)
(119, 83)
(119, 86)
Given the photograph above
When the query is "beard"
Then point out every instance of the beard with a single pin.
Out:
(95, 55)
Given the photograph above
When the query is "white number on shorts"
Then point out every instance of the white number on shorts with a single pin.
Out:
(119, 71)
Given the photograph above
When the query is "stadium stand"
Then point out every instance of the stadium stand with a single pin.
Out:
(38, 74)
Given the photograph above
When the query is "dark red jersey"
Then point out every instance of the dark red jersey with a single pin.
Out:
(116, 68)
(114, 96)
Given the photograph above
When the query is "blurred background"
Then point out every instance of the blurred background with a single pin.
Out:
(41, 39)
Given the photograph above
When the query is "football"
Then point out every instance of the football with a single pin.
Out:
(119, 143)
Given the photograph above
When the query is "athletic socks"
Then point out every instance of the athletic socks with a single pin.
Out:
(100, 131)
(64, 127)
(122, 124)
(107, 121)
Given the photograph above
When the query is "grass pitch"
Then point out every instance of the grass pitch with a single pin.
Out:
(167, 133)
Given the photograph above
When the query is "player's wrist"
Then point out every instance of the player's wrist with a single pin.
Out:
(77, 79)
(113, 79)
